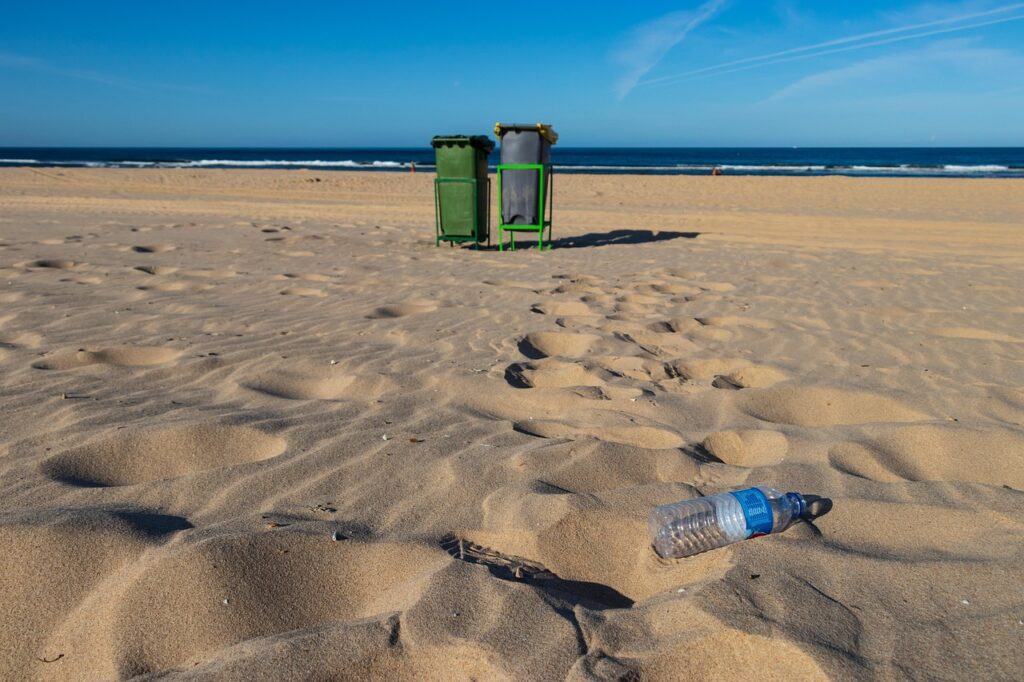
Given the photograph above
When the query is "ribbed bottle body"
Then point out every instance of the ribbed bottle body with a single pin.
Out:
(690, 527)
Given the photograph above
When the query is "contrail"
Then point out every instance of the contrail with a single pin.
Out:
(773, 58)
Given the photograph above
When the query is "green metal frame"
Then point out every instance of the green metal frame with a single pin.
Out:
(439, 235)
(544, 181)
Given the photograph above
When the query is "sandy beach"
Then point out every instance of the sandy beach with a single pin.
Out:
(255, 425)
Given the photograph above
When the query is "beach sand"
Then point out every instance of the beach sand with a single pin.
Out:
(254, 425)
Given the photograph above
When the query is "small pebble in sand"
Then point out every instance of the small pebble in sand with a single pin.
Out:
(965, 602)
(226, 601)
(336, 536)
(385, 437)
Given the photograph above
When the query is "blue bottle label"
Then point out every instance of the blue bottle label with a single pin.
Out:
(757, 511)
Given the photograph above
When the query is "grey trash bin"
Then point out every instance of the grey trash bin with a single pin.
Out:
(530, 143)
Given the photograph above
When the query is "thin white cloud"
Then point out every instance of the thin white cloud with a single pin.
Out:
(855, 42)
(648, 43)
(35, 64)
(950, 56)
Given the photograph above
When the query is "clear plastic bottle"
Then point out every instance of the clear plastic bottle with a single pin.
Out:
(693, 526)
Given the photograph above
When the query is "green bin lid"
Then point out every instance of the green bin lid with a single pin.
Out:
(476, 141)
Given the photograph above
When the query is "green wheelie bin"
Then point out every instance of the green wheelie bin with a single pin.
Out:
(462, 189)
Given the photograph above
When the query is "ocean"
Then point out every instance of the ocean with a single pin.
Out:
(877, 162)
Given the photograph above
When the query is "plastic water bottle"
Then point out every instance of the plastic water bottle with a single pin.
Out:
(693, 526)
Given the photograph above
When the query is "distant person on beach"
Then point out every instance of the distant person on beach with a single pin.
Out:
(716, 171)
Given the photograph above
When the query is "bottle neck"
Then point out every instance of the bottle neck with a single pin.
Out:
(799, 504)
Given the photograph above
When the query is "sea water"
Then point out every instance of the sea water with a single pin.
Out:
(877, 162)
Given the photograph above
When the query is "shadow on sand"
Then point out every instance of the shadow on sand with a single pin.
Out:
(617, 237)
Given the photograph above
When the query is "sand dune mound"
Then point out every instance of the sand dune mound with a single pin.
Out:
(190, 603)
(747, 448)
(824, 406)
(564, 344)
(567, 534)
(938, 453)
(51, 560)
(122, 356)
(137, 456)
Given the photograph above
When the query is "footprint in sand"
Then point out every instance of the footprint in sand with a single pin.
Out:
(659, 344)
(649, 437)
(857, 529)
(307, 276)
(937, 453)
(640, 300)
(753, 376)
(736, 321)
(304, 291)
(551, 373)
(122, 356)
(241, 587)
(704, 369)
(52, 264)
(83, 280)
(132, 457)
(154, 248)
(156, 269)
(693, 329)
(20, 340)
(309, 385)
(210, 274)
(717, 287)
(564, 309)
(176, 286)
(974, 334)
(402, 310)
(671, 289)
(823, 406)
(89, 544)
(747, 448)
(550, 344)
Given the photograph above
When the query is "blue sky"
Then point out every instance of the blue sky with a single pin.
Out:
(652, 73)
